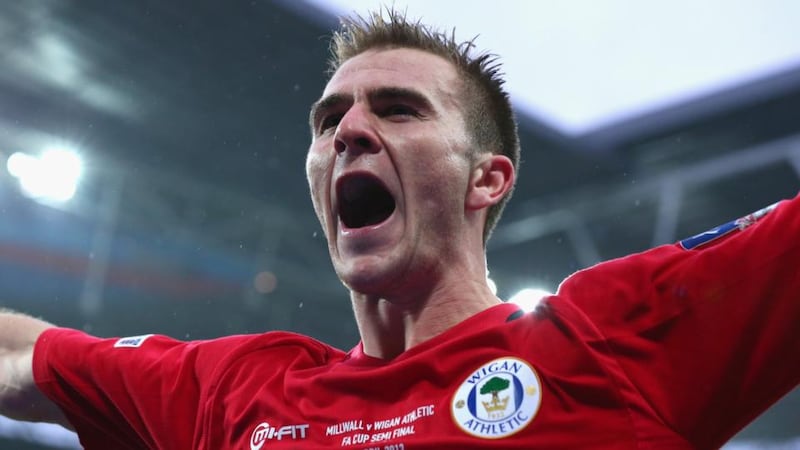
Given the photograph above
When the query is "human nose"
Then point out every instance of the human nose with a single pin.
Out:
(355, 132)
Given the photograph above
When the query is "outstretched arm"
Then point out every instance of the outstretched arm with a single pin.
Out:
(20, 399)
(706, 330)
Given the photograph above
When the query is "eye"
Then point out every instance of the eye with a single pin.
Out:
(399, 110)
(329, 121)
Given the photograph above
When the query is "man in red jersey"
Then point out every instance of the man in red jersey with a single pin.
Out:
(412, 157)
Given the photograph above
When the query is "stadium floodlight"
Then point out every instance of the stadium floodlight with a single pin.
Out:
(528, 298)
(52, 176)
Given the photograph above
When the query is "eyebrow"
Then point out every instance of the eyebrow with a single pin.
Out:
(398, 93)
(325, 104)
(381, 94)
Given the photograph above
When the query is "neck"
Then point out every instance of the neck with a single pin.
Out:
(390, 326)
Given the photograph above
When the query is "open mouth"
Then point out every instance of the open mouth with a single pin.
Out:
(363, 201)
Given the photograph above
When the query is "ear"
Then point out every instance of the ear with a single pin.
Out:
(491, 179)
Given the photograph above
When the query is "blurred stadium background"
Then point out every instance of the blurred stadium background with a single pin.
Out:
(155, 155)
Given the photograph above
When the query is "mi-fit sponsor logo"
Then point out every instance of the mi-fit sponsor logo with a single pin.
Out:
(265, 432)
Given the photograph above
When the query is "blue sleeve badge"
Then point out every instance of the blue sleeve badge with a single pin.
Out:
(716, 233)
(132, 341)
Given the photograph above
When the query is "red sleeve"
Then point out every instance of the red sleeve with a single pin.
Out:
(709, 336)
(128, 393)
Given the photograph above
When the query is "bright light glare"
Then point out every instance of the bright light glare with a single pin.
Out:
(20, 163)
(527, 299)
(53, 176)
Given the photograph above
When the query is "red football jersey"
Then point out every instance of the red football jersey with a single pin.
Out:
(677, 347)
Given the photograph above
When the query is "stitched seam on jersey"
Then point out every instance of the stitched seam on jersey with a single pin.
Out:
(611, 358)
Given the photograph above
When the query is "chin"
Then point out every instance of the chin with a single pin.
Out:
(366, 283)
(376, 278)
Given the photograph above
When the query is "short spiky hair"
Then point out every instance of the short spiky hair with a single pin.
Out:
(489, 116)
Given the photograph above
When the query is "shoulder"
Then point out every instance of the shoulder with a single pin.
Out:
(274, 342)
(205, 356)
(781, 220)
(618, 276)
(654, 285)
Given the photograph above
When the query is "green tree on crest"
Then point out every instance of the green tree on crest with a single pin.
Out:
(494, 386)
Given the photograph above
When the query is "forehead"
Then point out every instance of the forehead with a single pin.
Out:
(399, 67)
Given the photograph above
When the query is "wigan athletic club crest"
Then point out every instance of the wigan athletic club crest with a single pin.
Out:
(498, 399)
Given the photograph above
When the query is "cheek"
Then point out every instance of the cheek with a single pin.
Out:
(311, 163)
(318, 164)
(316, 176)
(448, 177)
